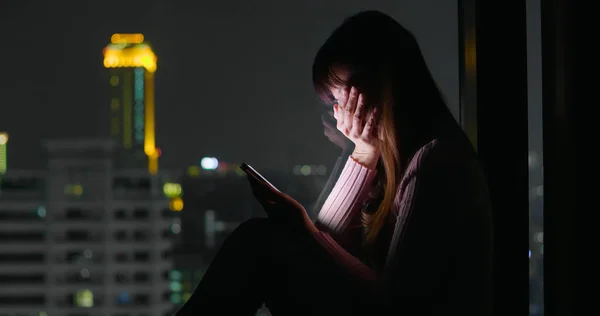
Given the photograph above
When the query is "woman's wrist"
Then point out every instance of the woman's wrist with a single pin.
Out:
(309, 226)
(367, 158)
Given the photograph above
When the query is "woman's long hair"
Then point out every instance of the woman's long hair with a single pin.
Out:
(385, 63)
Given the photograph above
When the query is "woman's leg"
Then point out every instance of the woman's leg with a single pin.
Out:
(306, 282)
(261, 263)
(234, 282)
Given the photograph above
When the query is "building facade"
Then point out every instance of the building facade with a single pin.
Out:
(84, 237)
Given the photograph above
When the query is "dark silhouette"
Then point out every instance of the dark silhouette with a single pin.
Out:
(407, 227)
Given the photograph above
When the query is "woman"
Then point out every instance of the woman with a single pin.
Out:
(407, 227)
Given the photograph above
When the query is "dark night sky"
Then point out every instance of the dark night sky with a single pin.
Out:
(233, 78)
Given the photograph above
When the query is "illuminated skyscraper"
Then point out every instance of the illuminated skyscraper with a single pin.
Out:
(3, 145)
(132, 64)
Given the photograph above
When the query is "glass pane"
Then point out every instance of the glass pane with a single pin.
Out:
(536, 177)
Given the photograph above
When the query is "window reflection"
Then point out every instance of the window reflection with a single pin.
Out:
(536, 183)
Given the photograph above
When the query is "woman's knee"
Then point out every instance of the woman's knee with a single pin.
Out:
(254, 228)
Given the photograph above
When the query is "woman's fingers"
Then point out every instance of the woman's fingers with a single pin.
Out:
(349, 110)
(357, 117)
(354, 119)
(352, 100)
(370, 125)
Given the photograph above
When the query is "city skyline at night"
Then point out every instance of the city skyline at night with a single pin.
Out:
(123, 125)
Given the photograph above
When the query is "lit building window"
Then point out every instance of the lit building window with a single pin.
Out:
(84, 298)
(3, 154)
(175, 286)
(74, 189)
(138, 108)
(172, 190)
(176, 298)
(176, 228)
(114, 81)
(174, 275)
(41, 211)
(176, 204)
(194, 171)
(123, 298)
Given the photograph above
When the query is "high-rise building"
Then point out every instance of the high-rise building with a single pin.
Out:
(132, 65)
(85, 237)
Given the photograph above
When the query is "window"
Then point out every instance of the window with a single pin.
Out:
(21, 184)
(22, 278)
(19, 215)
(126, 183)
(536, 179)
(120, 214)
(166, 254)
(144, 184)
(123, 298)
(167, 213)
(83, 298)
(73, 255)
(141, 256)
(14, 237)
(81, 276)
(141, 235)
(165, 275)
(74, 190)
(141, 277)
(141, 299)
(78, 235)
(25, 300)
(121, 257)
(75, 213)
(122, 183)
(22, 257)
(120, 235)
(121, 277)
(141, 213)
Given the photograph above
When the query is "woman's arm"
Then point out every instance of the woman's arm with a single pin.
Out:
(331, 181)
(346, 199)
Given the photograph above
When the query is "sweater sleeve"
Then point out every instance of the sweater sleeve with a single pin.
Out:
(346, 198)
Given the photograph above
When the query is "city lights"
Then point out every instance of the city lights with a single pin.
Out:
(172, 190)
(3, 155)
(73, 189)
(209, 163)
(193, 171)
(124, 38)
(41, 211)
(84, 298)
(132, 107)
(307, 170)
(176, 204)
(122, 55)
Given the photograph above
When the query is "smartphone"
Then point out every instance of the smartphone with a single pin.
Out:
(252, 172)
